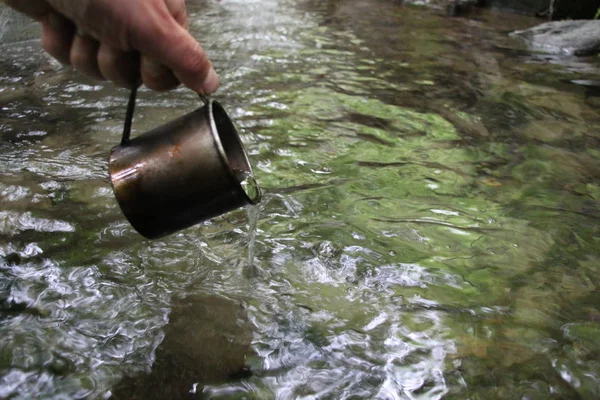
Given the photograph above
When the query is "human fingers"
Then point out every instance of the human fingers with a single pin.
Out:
(122, 68)
(57, 36)
(162, 36)
(178, 11)
(34, 8)
(179, 51)
(156, 76)
(147, 26)
(84, 56)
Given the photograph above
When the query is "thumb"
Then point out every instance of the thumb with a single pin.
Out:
(175, 48)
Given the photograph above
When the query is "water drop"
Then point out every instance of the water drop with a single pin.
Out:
(249, 185)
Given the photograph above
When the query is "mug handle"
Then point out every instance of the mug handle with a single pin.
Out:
(130, 110)
(129, 117)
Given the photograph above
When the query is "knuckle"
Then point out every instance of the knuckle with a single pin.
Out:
(196, 61)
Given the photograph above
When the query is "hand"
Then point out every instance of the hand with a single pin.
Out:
(124, 40)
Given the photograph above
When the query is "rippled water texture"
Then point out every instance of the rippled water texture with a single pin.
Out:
(429, 226)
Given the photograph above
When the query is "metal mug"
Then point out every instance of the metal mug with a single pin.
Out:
(180, 174)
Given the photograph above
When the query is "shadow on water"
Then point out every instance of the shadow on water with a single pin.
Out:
(429, 227)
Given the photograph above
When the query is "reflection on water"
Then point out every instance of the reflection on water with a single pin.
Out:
(429, 227)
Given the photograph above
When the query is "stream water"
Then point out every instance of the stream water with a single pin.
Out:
(429, 225)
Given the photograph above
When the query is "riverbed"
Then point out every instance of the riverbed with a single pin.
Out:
(429, 227)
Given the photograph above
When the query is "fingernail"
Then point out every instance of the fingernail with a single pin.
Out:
(211, 83)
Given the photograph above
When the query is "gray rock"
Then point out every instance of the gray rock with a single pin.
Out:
(206, 341)
(579, 38)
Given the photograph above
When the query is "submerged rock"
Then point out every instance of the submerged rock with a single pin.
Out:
(579, 38)
(206, 341)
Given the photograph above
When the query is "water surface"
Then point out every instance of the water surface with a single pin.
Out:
(429, 226)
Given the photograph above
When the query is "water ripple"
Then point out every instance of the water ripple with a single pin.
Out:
(429, 225)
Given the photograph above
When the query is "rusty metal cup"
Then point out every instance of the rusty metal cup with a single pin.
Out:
(182, 173)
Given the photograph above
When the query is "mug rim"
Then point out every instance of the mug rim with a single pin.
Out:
(213, 106)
